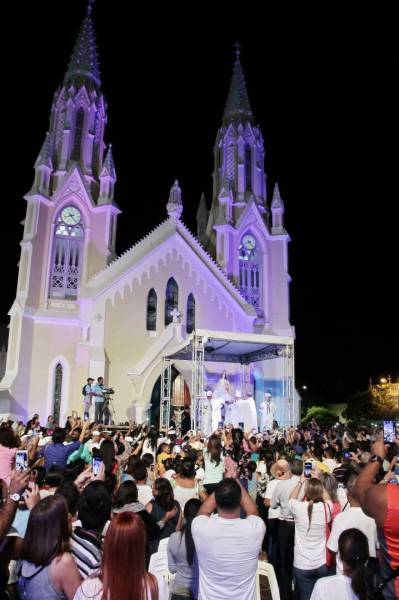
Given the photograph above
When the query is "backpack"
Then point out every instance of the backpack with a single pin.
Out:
(84, 389)
(376, 582)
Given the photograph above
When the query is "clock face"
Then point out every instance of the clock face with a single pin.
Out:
(70, 215)
(249, 241)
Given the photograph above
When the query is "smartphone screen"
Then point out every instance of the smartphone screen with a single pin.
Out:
(347, 454)
(241, 426)
(220, 425)
(307, 469)
(176, 449)
(21, 460)
(97, 462)
(389, 431)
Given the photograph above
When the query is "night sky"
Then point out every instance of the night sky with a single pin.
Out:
(323, 88)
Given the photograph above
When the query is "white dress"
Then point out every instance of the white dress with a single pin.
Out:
(206, 417)
(249, 414)
(268, 410)
(216, 404)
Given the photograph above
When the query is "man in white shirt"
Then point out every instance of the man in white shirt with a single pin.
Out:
(286, 527)
(349, 518)
(227, 546)
(277, 470)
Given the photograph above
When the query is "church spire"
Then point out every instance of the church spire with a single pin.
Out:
(83, 65)
(174, 206)
(277, 209)
(238, 108)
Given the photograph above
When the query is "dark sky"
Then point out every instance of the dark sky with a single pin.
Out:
(323, 88)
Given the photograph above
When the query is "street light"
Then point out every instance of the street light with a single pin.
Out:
(383, 380)
(304, 387)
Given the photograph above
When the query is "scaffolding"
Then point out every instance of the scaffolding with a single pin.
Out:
(240, 348)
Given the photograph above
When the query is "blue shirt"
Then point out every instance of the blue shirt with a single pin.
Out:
(57, 454)
(98, 389)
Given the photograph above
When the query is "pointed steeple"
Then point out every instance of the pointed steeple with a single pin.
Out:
(46, 152)
(277, 209)
(108, 165)
(107, 179)
(276, 200)
(174, 206)
(83, 65)
(237, 107)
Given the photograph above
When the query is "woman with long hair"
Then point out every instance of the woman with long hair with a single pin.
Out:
(311, 517)
(161, 505)
(185, 485)
(123, 575)
(48, 571)
(214, 463)
(182, 559)
(357, 581)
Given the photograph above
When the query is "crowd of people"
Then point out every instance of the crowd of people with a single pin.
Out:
(85, 508)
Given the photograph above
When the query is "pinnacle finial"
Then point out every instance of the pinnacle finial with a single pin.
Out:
(174, 206)
(276, 200)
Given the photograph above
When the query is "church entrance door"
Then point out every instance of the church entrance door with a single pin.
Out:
(180, 396)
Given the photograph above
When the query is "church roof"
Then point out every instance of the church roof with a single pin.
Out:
(83, 66)
(134, 255)
(238, 108)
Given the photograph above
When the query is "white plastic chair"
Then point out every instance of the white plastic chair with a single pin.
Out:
(159, 567)
(266, 570)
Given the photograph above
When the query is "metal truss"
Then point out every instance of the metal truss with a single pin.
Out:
(288, 384)
(197, 387)
(166, 387)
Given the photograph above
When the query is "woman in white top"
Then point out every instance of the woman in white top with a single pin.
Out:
(123, 573)
(214, 463)
(355, 583)
(185, 486)
(311, 517)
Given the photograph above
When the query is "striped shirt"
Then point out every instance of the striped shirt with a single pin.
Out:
(87, 552)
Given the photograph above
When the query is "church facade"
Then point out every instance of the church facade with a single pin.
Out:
(80, 310)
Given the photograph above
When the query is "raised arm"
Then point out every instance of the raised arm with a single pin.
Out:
(247, 504)
(371, 496)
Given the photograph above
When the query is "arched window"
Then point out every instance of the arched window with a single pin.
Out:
(57, 392)
(250, 267)
(67, 257)
(190, 325)
(171, 300)
(248, 168)
(152, 310)
(77, 141)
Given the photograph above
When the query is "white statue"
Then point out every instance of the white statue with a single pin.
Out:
(268, 410)
(221, 398)
(206, 414)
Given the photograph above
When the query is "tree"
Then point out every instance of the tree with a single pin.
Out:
(323, 416)
(369, 406)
